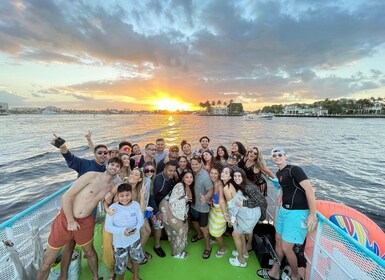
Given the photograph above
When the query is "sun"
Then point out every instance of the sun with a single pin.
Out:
(170, 104)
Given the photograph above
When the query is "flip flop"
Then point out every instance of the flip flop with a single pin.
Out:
(263, 273)
(207, 254)
(220, 253)
(196, 238)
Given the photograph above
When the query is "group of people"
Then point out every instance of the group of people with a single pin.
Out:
(144, 193)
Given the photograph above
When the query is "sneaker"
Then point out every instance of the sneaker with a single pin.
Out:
(181, 255)
(235, 254)
(236, 262)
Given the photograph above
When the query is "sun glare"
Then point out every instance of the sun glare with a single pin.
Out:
(171, 105)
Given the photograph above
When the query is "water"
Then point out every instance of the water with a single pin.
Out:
(344, 158)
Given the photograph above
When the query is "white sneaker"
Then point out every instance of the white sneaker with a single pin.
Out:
(236, 262)
(235, 254)
(182, 255)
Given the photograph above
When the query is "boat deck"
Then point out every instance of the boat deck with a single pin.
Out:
(192, 268)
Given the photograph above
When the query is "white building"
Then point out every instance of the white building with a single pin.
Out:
(294, 110)
(375, 109)
(220, 111)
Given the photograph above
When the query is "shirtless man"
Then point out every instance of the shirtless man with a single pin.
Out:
(75, 220)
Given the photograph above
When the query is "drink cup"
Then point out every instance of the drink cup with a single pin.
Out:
(148, 212)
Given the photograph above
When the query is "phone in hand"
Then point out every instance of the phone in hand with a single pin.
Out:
(58, 142)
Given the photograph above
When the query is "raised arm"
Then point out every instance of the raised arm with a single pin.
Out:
(89, 140)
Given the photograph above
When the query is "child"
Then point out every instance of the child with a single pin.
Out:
(125, 227)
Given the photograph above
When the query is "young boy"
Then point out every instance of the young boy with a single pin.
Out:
(125, 227)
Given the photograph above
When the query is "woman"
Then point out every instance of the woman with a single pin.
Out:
(208, 160)
(126, 168)
(255, 204)
(238, 148)
(186, 148)
(217, 221)
(183, 164)
(174, 208)
(135, 150)
(254, 165)
(242, 218)
(222, 155)
(149, 176)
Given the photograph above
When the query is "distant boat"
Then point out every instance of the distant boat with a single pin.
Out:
(266, 116)
(250, 117)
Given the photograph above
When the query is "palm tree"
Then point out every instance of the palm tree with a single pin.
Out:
(219, 103)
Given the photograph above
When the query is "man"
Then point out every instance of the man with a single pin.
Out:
(82, 165)
(160, 152)
(75, 220)
(203, 191)
(205, 141)
(149, 154)
(173, 154)
(163, 184)
(298, 206)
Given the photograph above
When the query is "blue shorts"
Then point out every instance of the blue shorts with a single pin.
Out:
(292, 225)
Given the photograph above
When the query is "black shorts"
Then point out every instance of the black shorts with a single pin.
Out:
(201, 218)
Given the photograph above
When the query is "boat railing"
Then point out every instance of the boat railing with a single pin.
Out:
(333, 254)
(19, 230)
(330, 252)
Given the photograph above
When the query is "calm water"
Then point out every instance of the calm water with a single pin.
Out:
(344, 158)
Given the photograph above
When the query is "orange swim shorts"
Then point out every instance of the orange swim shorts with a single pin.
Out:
(59, 234)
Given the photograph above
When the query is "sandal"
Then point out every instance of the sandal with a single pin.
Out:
(148, 255)
(263, 273)
(220, 253)
(196, 238)
(206, 254)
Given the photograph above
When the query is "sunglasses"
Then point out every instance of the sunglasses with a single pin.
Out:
(277, 155)
(149, 149)
(174, 151)
(104, 153)
(252, 152)
(149, 171)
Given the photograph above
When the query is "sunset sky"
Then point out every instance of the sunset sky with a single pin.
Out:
(176, 53)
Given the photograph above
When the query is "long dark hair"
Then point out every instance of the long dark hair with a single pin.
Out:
(241, 186)
(226, 155)
(241, 148)
(184, 172)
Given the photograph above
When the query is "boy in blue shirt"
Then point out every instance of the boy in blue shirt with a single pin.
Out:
(125, 227)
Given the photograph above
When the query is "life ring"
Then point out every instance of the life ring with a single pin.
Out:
(355, 224)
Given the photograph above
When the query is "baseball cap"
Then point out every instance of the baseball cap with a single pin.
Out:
(278, 150)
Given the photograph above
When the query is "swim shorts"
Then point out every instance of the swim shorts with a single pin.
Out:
(134, 251)
(59, 234)
(291, 224)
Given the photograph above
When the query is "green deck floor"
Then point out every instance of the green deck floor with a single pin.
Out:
(192, 268)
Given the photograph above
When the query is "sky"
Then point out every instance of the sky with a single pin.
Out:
(173, 54)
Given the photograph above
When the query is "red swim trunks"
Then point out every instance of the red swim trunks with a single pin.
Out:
(59, 234)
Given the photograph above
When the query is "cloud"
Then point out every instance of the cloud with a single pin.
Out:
(258, 51)
(11, 98)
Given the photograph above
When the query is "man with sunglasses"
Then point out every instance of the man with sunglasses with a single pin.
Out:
(82, 165)
(296, 216)
(173, 154)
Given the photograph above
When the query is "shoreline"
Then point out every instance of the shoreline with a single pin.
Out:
(335, 116)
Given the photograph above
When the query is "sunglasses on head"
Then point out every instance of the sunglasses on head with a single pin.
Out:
(277, 155)
(102, 152)
(149, 171)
